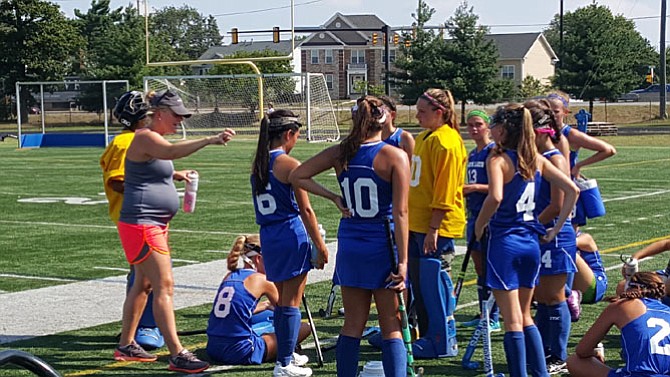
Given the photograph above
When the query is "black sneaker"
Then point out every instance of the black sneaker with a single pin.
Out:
(186, 362)
(133, 352)
(556, 366)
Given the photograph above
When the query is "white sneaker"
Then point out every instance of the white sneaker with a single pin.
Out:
(299, 360)
(290, 370)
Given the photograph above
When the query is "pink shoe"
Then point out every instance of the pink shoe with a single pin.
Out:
(574, 305)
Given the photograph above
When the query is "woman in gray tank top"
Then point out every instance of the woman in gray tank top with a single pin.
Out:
(150, 201)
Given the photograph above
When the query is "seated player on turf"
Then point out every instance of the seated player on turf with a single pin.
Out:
(590, 281)
(644, 323)
(240, 329)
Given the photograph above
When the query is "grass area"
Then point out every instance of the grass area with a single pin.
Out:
(55, 224)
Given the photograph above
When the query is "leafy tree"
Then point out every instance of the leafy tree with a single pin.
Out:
(531, 87)
(38, 42)
(603, 55)
(473, 72)
(188, 32)
(418, 64)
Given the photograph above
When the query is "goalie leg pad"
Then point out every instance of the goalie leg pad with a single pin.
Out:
(437, 291)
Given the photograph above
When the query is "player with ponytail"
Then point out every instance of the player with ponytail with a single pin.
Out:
(644, 322)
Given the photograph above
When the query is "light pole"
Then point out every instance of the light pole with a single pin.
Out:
(662, 76)
(560, 37)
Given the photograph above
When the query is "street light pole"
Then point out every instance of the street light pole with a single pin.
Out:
(662, 76)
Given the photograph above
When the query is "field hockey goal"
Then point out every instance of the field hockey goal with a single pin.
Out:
(233, 101)
(66, 113)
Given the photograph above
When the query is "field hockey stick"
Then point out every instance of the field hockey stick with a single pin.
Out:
(466, 361)
(317, 345)
(328, 312)
(192, 332)
(331, 343)
(404, 323)
(464, 268)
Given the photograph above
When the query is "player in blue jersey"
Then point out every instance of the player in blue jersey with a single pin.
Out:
(644, 323)
(557, 258)
(475, 190)
(393, 135)
(513, 257)
(287, 224)
(649, 251)
(591, 278)
(374, 181)
(240, 330)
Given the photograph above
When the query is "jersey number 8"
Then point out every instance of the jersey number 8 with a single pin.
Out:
(222, 304)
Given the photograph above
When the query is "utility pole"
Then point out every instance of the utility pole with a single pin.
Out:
(560, 37)
(386, 31)
(662, 76)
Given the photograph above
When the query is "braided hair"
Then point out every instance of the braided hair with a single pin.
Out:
(642, 284)
(241, 246)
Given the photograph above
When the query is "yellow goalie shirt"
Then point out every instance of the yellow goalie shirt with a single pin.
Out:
(112, 163)
(438, 175)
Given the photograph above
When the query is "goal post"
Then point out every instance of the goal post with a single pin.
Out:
(234, 101)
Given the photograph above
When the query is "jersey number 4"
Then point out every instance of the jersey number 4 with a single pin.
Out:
(222, 304)
(526, 202)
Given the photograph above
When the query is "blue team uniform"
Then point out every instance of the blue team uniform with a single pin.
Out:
(476, 171)
(394, 139)
(644, 347)
(595, 262)
(230, 336)
(286, 245)
(513, 247)
(563, 248)
(578, 215)
(362, 250)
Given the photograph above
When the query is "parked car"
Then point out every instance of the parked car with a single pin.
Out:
(648, 94)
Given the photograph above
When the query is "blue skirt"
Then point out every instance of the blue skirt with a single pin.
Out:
(286, 249)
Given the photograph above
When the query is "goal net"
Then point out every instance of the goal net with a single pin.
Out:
(234, 101)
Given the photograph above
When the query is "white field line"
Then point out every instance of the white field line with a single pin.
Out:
(635, 196)
(216, 251)
(185, 261)
(29, 277)
(110, 268)
(172, 230)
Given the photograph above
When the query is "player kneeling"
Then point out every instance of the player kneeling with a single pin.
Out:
(240, 329)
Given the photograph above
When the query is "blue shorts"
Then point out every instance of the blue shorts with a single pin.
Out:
(579, 214)
(622, 372)
(470, 233)
(286, 249)
(363, 257)
(236, 351)
(444, 246)
(513, 258)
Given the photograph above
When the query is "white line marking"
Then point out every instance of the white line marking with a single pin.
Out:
(641, 218)
(659, 215)
(34, 277)
(172, 230)
(625, 221)
(185, 261)
(469, 304)
(635, 196)
(216, 251)
(110, 268)
(609, 225)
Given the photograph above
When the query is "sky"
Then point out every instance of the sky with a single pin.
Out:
(510, 16)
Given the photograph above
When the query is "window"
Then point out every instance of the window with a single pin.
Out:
(315, 56)
(329, 81)
(357, 57)
(329, 57)
(507, 72)
(391, 56)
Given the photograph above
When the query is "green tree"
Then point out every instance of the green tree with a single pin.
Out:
(602, 56)
(473, 72)
(188, 32)
(531, 87)
(38, 42)
(419, 62)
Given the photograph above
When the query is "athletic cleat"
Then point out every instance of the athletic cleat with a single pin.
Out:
(291, 370)
(556, 366)
(494, 326)
(149, 338)
(133, 352)
(186, 362)
(474, 322)
(299, 360)
(574, 305)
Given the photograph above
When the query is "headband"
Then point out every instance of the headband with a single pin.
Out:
(479, 113)
(378, 112)
(433, 101)
(282, 122)
(250, 250)
(564, 101)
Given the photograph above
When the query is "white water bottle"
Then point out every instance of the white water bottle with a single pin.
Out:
(315, 252)
(191, 192)
(630, 268)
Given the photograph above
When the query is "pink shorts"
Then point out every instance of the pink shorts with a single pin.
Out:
(138, 240)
